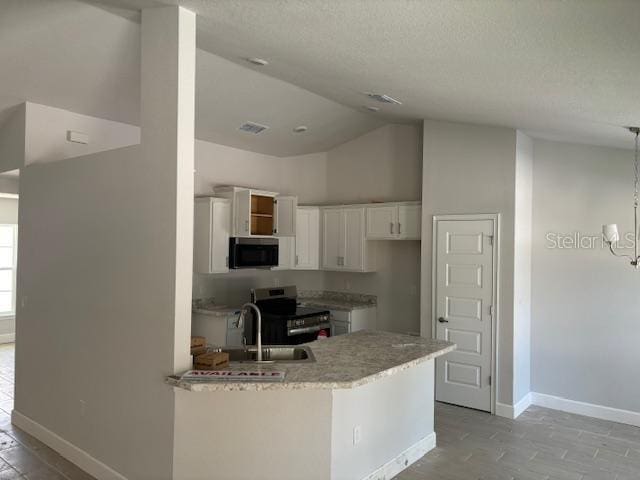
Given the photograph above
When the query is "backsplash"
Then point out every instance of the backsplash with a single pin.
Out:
(341, 296)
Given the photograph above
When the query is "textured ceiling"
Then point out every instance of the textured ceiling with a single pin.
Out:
(86, 58)
(560, 69)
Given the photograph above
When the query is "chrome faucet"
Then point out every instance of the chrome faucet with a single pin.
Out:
(243, 309)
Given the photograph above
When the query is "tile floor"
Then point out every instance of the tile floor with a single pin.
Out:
(541, 444)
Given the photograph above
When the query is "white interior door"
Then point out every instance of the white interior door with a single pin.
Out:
(464, 252)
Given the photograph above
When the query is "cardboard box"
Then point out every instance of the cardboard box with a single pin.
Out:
(211, 361)
(195, 351)
(198, 342)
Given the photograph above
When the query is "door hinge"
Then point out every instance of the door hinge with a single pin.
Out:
(490, 239)
(491, 310)
(489, 380)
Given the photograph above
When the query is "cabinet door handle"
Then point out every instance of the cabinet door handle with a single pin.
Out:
(391, 228)
(442, 320)
(227, 261)
(246, 226)
(297, 260)
(399, 228)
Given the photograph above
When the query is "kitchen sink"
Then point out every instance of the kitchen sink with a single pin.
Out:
(270, 354)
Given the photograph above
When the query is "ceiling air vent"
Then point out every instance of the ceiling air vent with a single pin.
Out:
(382, 98)
(254, 128)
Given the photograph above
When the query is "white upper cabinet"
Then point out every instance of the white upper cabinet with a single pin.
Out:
(242, 213)
(333, 240)
(382, 221)
(212, 219)
(307, 241)
(257, 213)
(410, 221)
(394, 221)
(344, 246)
(354, 239)
(285, 216)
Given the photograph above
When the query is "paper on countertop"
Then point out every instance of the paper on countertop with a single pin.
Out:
(233, 376)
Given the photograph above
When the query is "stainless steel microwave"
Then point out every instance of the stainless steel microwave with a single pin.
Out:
(253, 252)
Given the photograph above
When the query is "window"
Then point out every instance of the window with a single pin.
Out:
(8, 257)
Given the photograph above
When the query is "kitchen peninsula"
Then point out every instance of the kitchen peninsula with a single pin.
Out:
(363, 410)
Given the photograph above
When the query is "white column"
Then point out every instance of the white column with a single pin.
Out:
(167, 122)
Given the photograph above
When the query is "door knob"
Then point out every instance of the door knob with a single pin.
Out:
(442, 320)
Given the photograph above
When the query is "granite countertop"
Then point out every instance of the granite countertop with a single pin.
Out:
(336, 300)
(207, 307)
(344, 361)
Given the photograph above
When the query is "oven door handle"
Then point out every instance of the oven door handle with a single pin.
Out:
(314, 328)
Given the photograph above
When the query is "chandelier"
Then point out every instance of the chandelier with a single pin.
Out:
(610, 232)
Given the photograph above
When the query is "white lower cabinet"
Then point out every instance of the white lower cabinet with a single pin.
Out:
(340, 328)
(343, 321)
(344, 246)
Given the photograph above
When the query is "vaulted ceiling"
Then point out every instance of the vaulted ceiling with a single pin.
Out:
(566, 70)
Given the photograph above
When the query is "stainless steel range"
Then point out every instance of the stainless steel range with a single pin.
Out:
(286, 323)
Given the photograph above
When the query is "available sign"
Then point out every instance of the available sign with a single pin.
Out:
(234, 375)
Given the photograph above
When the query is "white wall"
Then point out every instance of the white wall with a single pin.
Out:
(12, 139)
(46, 134)
(9, 185)
(522, 268)
(393, 413)
(304, 176)
(471, 169)
(382, 165)
(585, 303)
(9, 210)
(80, 230)
(104, 274)
(229, 435)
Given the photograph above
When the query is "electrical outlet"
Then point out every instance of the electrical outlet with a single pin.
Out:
(276, 281)
(83, 408)
(357, 434)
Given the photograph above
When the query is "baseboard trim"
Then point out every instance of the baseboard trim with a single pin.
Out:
(8, 338)
(406, 458)
(68, 450)
(587, 409)
(513, 411)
